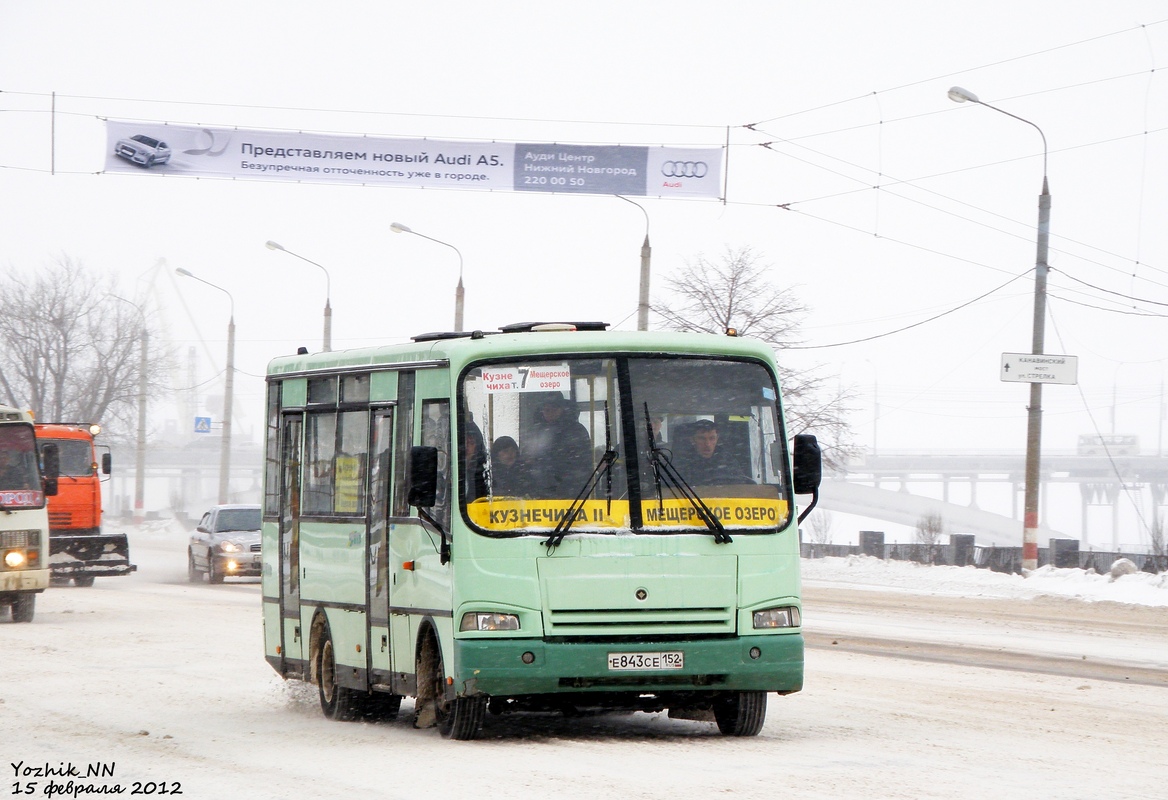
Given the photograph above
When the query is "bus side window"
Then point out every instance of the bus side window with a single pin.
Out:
(320, 442)
(436, 433)
(403, 441)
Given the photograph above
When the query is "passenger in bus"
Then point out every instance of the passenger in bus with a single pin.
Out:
(474, 466)
(15, 471)
(701, 461)
(655, 425)
(506, 470)
(558, 454)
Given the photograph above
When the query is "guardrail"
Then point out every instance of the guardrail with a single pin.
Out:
(962, 552)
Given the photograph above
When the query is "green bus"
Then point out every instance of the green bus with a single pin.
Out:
(551, 517)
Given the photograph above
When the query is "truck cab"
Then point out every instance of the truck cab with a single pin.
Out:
(79, 550)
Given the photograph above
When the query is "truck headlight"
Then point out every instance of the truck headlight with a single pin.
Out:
(782, 617)
(14, 559)
(480, 621)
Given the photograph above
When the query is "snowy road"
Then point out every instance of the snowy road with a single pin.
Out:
(165, 684)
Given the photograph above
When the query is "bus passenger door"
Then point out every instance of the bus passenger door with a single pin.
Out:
(291, 645)
(379, 645)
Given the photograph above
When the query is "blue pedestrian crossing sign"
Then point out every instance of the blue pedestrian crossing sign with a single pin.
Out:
(202, 424)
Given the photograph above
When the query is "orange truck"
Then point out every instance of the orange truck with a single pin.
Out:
(78, 550)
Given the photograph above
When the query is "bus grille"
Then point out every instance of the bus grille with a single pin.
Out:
(20, 539)
(639, 622)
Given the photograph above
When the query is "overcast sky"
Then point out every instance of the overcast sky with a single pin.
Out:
(859, 181)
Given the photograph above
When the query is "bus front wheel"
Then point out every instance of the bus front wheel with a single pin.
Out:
(458, 718)
(462, 717)
(741, 713)
(23, 608)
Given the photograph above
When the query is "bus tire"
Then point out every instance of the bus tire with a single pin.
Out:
(462, 717)
(456, 718)
(459, 718)
(741, 713)
(84, 581)
(23, 608)
(337, 702)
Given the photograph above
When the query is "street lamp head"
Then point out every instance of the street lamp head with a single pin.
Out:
(274, 245)
(184, 273)
(959, 95)
(397, 227)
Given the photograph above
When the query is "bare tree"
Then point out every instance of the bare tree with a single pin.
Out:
(930, 528)
(70, 350)
(709, 297)
(820, 525)
(1158, 547)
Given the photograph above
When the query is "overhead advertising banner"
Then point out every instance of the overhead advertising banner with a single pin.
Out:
(423, 163)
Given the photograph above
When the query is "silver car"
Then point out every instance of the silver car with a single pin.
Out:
(226, 544)
(143, 149)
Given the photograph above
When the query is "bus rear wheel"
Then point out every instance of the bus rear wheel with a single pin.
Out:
(337, 702)
(741, 713)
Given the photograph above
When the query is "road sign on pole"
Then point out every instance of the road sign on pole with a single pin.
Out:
(1034, 368)
(202, 424)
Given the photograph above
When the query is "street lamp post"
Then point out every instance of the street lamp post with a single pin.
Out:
(140, 449)
(642, 301)
(459, 292)
(228, 390)
(1034, 417)
(646, 253)
(328, 311)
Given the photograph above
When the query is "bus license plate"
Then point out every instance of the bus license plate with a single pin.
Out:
(646, 661)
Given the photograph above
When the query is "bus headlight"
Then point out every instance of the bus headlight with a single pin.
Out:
(479, 621)
(782, 617)
(14, 559)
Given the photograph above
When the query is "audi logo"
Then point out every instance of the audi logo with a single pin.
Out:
(684, 169)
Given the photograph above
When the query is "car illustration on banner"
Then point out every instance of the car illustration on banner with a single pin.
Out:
(143, 149)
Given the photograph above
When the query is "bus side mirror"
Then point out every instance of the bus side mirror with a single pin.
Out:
(106, 463)
(423, 477)
(807, 463)
(51, 456)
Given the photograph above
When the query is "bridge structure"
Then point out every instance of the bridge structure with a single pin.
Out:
(973, 493)
(982, 493)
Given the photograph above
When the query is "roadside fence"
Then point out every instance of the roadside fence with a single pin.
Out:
(962, 551)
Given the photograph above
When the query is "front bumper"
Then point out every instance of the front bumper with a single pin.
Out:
(496, 667)
(244, 564)
(24, 580)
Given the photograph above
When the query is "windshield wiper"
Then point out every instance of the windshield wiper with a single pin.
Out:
(663, 468)
(603, 467)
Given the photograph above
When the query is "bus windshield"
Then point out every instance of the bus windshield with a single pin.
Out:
(20, 480)
(650, 444)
